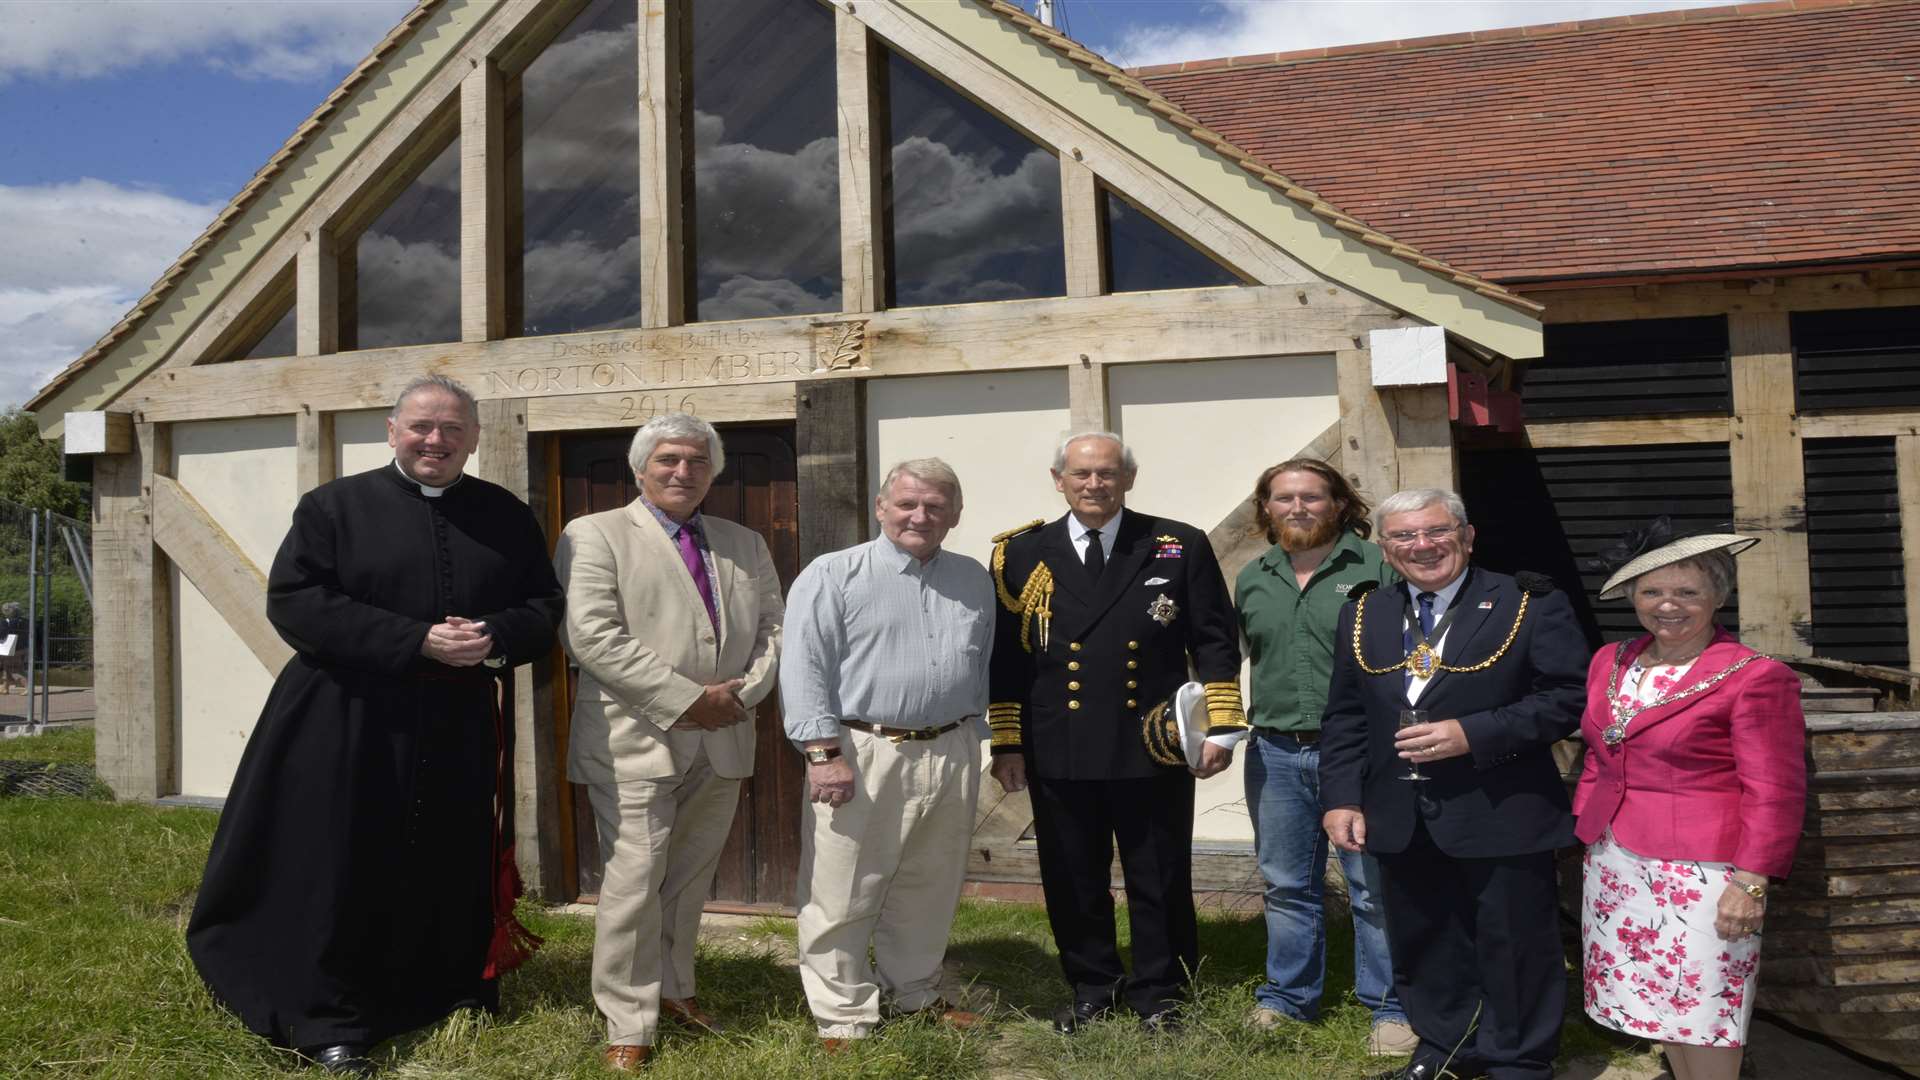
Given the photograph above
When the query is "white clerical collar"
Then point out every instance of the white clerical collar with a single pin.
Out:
(428, 490)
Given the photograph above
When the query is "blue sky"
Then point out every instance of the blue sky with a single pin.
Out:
(125, 125)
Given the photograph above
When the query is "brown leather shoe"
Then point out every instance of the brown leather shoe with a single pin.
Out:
(687, 1012)
(626, 1057)
(832, 1046)
(949, 1016)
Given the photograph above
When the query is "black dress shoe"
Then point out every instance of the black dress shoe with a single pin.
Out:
(343, 1059)
(1162, 1021)
(1069, 1018)
(1422, 1070)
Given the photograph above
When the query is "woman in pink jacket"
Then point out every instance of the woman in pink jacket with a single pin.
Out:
(1690, 802)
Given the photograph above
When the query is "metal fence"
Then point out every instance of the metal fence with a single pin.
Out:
(46, 617)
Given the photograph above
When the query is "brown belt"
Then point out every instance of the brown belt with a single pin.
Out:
(903, 734)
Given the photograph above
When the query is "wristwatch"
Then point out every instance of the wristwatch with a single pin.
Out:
(820, 755)
(1755, 889)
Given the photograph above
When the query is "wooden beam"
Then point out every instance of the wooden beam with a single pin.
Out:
(1080, 216)
(1087, 395)
(1888, 425)
(1367, 457)
(863, 268)
(663, 297)
(313, 449)
(719, 405)
(830, 436)
(1816, 292)
(99, 432)
(503, 441)
(483, 209)
(211, 559)
(133, 623)
(1422, 436)
(1184, 324)
(1659, 429)
(1769, 487)
(316, 318)
(1906, 450)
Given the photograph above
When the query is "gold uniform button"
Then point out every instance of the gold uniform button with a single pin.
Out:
(1073, 665)
(1133, 645)
(1132, 704)
(1133, 684)
(1131, 664)
(1075, 646)
(1073, 685)
(1073, 704)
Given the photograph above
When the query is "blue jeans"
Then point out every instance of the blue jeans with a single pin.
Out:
(1283, 798)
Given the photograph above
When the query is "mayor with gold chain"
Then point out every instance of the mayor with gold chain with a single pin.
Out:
(1497, 664)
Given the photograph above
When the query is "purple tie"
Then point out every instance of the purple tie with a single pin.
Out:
(697, 566)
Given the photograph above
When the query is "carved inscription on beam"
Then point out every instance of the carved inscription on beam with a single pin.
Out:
(1192, 324)
(210, 559)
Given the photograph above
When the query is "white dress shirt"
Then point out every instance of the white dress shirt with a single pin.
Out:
(1442, 600)
(1108, 534)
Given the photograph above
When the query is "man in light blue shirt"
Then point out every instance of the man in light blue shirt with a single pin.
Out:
(884, 687)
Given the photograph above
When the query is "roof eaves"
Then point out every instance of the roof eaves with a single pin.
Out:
(308, 128)
(1130, 85)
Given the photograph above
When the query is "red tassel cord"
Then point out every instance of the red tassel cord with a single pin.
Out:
(513, 944)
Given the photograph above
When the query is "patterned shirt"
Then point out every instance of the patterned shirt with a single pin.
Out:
(874, 634)
(699, 539)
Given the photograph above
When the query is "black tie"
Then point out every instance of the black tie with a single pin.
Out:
(1096, 557)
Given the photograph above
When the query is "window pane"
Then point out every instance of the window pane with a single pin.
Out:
(580, 173)
(973, 205)
(278, 341)
(766, 180)
(1143, 254)
(408, 283)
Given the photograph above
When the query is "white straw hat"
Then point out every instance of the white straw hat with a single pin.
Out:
(1667, 554)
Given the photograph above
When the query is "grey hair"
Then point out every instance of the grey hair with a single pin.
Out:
(441, 383)
(927, 470)
(1126, 452)
(675, 427)
(1716, 566)
(9, 609)
(1412, 499)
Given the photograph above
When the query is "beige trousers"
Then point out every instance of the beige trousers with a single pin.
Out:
(660, 841)
(885, 869)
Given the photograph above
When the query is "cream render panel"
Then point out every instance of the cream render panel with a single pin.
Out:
(241, 471)
(997, 430)
(1202, 432)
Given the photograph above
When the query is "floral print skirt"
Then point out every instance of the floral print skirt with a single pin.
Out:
(1653, 964)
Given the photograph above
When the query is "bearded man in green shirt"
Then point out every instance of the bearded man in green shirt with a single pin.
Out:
(1289, 601)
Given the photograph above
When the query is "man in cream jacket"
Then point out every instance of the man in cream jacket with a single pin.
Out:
(674, 619)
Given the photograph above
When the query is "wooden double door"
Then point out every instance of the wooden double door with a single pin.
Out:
(759, 869)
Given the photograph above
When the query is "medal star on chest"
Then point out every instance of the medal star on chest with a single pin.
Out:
(1163, 610)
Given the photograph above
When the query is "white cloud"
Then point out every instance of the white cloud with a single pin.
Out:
(281, 39)
(1244, 27)
(76, 258)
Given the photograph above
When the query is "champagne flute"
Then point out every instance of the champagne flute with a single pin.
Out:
(1409, 718)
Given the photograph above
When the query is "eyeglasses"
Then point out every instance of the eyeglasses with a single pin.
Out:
(1435, 535)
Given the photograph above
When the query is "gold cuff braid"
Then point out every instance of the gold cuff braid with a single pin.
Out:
(1224, 709)
(1003, 717)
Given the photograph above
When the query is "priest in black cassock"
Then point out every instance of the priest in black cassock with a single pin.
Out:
(360, 883)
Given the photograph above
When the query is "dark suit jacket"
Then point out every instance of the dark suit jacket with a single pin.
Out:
(1505, 797)
(1074, 707)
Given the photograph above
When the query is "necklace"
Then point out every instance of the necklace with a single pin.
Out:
(1616, 732)
(1423, 661)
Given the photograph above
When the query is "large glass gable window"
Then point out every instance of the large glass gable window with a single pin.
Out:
(1143, 254)
(766, 180)
(973, 206)
(580, 176)
(404, 277)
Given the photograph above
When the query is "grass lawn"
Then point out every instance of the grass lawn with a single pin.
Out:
(95, 982)
(65, 746)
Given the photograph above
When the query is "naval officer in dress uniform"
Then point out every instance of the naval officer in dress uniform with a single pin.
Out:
(1100, 613)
